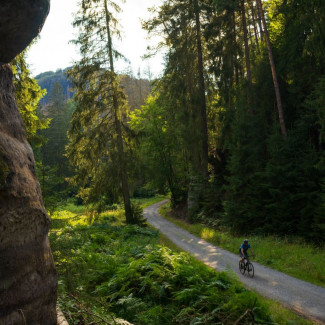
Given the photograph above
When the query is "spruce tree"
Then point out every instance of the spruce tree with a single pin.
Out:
(184, 81)
(96, 145)
(274, 74)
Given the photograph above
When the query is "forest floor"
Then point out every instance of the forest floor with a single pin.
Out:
(302, 297)
(113, 273)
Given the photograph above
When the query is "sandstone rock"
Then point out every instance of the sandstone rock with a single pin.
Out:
(21, 21)
(28, 280)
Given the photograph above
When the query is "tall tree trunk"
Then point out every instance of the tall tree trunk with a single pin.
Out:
(259, 19)
(247, 58)
(120, 146)
(275, 79)
(234, 46)
(28, 279)
(255, 29)
(123, 174)
(204, 127)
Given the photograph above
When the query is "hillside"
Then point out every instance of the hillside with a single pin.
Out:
(137, 90)
(49, 78)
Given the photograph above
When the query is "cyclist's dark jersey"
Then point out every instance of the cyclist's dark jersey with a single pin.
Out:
(244, 247)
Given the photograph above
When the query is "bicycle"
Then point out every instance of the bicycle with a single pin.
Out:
(246, 266)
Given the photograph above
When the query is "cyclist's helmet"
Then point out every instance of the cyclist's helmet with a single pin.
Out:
(246, 241)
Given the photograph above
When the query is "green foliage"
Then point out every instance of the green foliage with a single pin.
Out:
(137, 215)
(53, 187)
(258, 182)
(59, 111)
(307, 263)
(108, 271)
(145, 202)
(97, 138)
(157, 148)
(51, 165)
(28, 94)
(92, 147)
(181, 96)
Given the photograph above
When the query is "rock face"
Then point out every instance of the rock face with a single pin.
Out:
(21, 21)
(28, 280)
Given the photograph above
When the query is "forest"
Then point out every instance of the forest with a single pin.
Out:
(233, 129)
(232, 133)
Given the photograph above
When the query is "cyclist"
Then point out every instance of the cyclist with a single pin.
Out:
(243, 250)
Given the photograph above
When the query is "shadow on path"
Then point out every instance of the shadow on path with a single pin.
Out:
(303, 297)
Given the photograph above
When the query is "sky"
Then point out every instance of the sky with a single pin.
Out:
(53, 51)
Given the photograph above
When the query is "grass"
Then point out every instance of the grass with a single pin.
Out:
(145, 202)
(289, 255)
(110, 272)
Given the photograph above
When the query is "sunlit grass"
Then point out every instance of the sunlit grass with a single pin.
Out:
(288, 255)
(145, 202)
(281, 314)
(92, 252)
(72, 207)
(70, 214)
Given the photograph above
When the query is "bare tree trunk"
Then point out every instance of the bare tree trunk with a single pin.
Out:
(28, 279)
(259, 19)
(255, 29)
(204, 127)
(234, 45)
(275, 79)
(120, 146)
(123, 174)
(247, 58)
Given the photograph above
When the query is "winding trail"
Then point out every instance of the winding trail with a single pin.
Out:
(302, 297)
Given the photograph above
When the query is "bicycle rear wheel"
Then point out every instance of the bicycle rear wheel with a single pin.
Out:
(242, 268)
(250, 269)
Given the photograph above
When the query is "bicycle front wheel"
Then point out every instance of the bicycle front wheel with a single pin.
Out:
(242, 268)
(250, 269)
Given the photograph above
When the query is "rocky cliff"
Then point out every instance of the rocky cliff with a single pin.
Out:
(28, 280)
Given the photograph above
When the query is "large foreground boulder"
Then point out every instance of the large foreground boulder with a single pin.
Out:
(28, 280)
(20, 22)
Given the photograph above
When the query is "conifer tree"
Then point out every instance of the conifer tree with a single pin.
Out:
(28, 94)
(184, 80)
(257, 182)
(203, 108)
(247, 56)
(58, 111)
(274, 74)
(96, 145)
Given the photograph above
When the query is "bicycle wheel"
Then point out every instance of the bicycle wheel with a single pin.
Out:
(250, 269)
(242, 268)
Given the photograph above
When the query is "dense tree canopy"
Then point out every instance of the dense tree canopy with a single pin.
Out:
(97, 144)
(263, 75)
(234, 128)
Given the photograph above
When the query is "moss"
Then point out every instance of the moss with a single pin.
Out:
(4, 171)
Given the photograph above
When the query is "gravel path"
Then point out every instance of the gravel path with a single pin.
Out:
(304, 298)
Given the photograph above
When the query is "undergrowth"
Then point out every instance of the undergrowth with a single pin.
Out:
(289, 255)
(110, 273)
